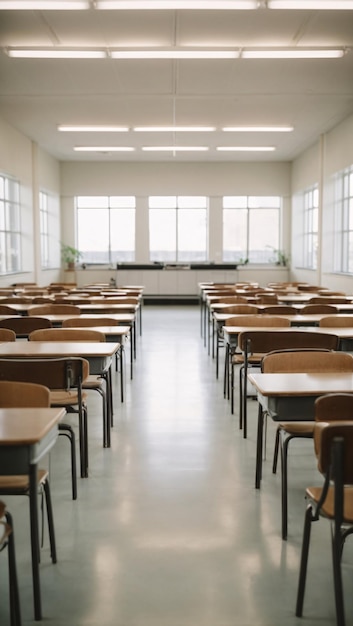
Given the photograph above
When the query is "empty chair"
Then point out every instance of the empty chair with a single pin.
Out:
(297, 361)
(54, 309)
(328, 300)
(336, 321)
(280, 309)
(267, 298)
(333, 501)
(7, 538)
(78, 322)
(318, 308)
(24, 325)
(7, 335)
(28, 395)
(6, 310)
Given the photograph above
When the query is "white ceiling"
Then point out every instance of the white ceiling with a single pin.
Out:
(311, 95)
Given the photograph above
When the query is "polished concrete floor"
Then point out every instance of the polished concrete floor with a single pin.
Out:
(168, 530)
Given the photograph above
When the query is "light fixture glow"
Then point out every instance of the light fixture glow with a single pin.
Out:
(92, 129)
(292, 53)
(171, 5)
(246, 148)
(44, 5)
(55, 53)
(174, 54)
(257, 129)
(103, 149)
(175, 148)
(174, 129)
(311, 4)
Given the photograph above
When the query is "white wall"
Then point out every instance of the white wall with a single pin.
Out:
(34, 169)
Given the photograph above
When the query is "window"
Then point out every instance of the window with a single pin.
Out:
(44, 228)
(106, 228)
(311, 225)
(343, 226)
(251, 228)
(178, 228)
(10, 224)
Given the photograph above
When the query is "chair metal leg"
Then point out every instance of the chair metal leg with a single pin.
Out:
(304, 561)
(276, 450)
(50, 515)
(15, 611)
(337, 575)
(67, 431)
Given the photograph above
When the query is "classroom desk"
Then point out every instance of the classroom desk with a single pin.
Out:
(26, 435)
(99, 355)
(286, 396)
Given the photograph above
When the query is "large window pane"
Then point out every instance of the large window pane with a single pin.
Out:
(235, 244)
(263, 235)
(122, 235)
(10, 226)
(191, 235)
(162, 235)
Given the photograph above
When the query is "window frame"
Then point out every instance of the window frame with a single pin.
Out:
(10, 211)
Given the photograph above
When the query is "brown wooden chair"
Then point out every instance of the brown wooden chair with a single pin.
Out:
(267, 298)
(329, 300)
(91, 382)
(23, 394)
(280, 309)
(333, 501)
(7, 539)
(7, 310)
(54, 309)
(23, 325)
(64, 377)
(306, 361)
(318, 308)
(255, 344)
(336, 321)
(7, 335)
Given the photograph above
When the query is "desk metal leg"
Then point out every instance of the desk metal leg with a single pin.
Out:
(33, 507)
(259, 444)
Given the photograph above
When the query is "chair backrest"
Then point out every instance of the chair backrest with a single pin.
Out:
(328, 300)
(264, 341)
(42, 300)
(55, 309)
(64, 373)
(337, 321)
(265, 298)
(22, 394)
(23, 325)
(318, 308)
(325, 436)
(310, 360)
(230, 300)
(334, 407)
(280, 309)
(257, 320)
(243, 309)
(6, 334)
(6, 310)
(78, 322)
(67, 334)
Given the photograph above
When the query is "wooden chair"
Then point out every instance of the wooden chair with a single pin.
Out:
(297, 361)
(335, 321)
(7, 335)
(7, 310)
(328, 300)
(267, 298)
(281, 309)
(254, 345)
(7, 539)
(23, 325)
(333, 501)
(91, 382)
(234, 358)
(64, 378)
(54, 309)
(23, 394)
(318, 308)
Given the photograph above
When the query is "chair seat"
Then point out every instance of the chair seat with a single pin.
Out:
(304, 429)
(255, 358)
(61, 397)
(20, 484)
(93, 382)
(328, 508)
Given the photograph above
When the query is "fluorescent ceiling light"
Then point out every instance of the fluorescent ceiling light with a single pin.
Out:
(92, 129)
(175, 148)
(44, 5)
(257, 129)
(103, 149)
(176, 4)
(246, 148)
(296, 53)
(174, 54)
(174, 129)
(55, 53)
(311, 4)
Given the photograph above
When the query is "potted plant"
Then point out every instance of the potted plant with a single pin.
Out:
(70, 255)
